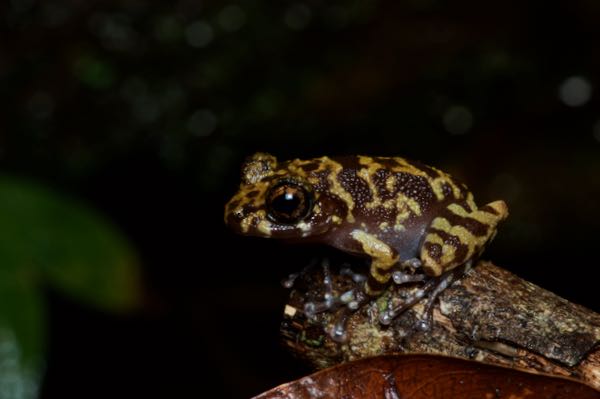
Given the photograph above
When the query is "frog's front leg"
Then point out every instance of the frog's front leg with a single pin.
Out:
(383, 259)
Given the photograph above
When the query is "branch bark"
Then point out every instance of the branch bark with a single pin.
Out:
(490, 315)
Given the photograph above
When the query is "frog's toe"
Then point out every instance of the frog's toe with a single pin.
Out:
(412, 263)
(356, 277)
(332, 299)
(400, 277)
(386, 317)
(290, 280)
(338, 331)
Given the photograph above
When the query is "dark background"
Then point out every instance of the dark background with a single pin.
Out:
(146, 109)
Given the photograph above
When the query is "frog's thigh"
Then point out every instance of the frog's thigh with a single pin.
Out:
(383, 257)
(457, 235)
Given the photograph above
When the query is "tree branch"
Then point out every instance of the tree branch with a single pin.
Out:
(490, 315)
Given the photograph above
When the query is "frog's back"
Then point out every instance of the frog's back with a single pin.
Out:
(381, 185)
(392, 198)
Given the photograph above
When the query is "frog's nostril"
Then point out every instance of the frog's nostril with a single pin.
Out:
(238, 213)
(234, 219)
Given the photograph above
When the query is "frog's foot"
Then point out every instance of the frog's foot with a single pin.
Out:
(290, 280)
(400, 276)
(432, 288)
(337, 330)
(350, 299)
(339, 305)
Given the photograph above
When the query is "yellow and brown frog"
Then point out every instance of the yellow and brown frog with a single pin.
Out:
(407, 217)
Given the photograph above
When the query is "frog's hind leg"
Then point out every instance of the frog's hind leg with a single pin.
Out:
(459, 233)
(455, 237)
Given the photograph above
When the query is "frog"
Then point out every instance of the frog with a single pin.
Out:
(414, 222)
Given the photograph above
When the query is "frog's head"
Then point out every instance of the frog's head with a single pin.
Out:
(287, 200)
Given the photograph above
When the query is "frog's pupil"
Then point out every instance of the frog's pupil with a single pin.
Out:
(288, 203)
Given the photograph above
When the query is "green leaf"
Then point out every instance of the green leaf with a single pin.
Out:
(50, 239)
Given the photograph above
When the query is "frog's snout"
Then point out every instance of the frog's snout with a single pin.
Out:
(234, 214)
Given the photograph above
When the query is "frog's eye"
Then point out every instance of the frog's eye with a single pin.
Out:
(288, 202)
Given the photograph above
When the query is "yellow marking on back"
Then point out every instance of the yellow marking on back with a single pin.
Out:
(402, 212)
(390, 183)
(366, 174)
(334, 168)
(403, 204)
(412, 204)
(407, 167)
(404, 166)
(471, 201)
(399, 228)
(295, 166)
(437, 185)
(335, 186)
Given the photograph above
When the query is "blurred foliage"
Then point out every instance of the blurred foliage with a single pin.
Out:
(50, 241)
(200, 84)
